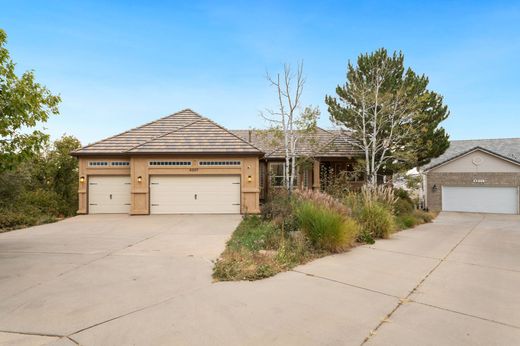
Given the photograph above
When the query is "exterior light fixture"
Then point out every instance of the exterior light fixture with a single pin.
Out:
(434, 188)
(249, 179)
(82, 179)
(139, 179)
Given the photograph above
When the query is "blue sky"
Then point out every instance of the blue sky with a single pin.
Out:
(120, 64)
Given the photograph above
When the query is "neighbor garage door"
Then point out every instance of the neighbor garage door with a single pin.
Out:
(482, 199)
(195, 194)
(108, 194)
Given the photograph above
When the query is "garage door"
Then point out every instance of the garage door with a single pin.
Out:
(109, 194)
(195, 195)
(503, 200)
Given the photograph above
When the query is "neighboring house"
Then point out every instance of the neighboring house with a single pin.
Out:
(475, 176)
(186, 163)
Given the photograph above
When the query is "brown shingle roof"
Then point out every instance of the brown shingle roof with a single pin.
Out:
(182, 132)
(320, 143)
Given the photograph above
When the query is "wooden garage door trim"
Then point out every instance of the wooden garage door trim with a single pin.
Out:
(94, 176)
(202, 176)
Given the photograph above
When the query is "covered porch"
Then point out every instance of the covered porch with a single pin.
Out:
(316, 173)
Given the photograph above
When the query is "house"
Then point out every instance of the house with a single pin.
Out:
(475, 176)
(186, 163)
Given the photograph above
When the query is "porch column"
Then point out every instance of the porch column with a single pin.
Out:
(316, 175)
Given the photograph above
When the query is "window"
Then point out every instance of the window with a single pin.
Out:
(120, 163)
(307, 183)
(97, 163)
(277, 173)
(219, 163)
(170, 163)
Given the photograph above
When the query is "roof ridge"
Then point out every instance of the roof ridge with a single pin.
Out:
(162, 135)
(137, 127)
(231, 133)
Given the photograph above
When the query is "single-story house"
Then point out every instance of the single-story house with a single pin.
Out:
(186, 163)
(475, 176)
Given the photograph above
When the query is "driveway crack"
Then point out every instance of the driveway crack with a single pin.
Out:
(344, 283)
(407, 298)
(135, 311)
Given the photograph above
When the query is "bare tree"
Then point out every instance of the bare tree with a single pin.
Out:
(289, 120)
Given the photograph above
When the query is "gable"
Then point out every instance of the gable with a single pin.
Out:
(201, 136)
(182, 132)
(478, 161)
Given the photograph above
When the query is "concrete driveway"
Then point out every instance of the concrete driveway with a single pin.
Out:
(119, 280)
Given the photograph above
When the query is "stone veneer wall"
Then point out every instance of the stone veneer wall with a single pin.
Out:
(434, 199)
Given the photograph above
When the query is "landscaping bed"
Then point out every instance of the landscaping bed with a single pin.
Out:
(306, 225)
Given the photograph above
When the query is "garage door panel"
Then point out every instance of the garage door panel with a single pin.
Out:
(195, 194)
(109, 194)
(480, 199)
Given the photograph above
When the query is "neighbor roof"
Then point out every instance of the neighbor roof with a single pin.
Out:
(319, 143)
(508, 148)
(180, 133)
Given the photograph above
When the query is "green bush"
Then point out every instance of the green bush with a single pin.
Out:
(45, 201)
(403, 206)
(407, 221)
(402, 194)
(30, 216)
(376, 221)
(326, 229)
(11, 219)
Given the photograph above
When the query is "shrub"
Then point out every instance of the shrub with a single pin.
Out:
(45, 201)
(402, 194)
(322, 199)
(325, 228)
(11, 219)
(279, 209)
(403, 206)
(337, 184)
(425, 216)
(407, 221)
(376, 221)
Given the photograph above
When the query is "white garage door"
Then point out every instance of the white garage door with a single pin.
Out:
(482, 199)
(108, 194)
(195, 195)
